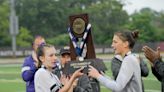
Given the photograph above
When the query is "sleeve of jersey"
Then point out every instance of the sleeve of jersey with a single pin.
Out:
(144, 69)
(52, 85)
(28, 71)
(156, 74)
(158, 65)
(126, 72)
(54, 88)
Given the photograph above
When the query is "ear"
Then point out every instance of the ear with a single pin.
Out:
(126, 44)
(41, 58)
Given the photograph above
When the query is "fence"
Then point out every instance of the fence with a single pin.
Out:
(7, 52)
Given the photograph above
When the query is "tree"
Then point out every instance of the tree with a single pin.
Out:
(142, 21)
(159, 24)
(4, 24)
(50, 17)
(24, 39)
(107, 17)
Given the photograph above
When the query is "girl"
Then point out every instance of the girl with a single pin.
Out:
(129, 77)
(45, 80)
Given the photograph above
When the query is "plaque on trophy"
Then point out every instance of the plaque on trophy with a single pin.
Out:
(72, 66)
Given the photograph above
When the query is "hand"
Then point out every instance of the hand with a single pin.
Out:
(64, 79)
(150, 54)
(93, 72)
(34, 56)
(78, 73)
(75, 83)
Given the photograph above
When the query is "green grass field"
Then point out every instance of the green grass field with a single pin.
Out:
(10, 80)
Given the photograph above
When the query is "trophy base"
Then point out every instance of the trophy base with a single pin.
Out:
(72, 66)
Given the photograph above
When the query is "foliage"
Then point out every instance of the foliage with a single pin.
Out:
(147, 21)
(24, 38)
(50, 18)
(4, 24)
(62, 39)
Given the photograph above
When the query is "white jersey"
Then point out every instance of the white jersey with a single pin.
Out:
(46, 81)
(129, 77)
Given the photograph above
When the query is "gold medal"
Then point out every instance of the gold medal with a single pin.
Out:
(78, 26)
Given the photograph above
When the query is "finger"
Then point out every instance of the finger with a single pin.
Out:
(143, 48)
(158, 49)
(147, 56)
(148, 50)
(158, 52)
(80, 69)
(91, 66)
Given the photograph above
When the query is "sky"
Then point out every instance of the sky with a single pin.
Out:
(132, 5)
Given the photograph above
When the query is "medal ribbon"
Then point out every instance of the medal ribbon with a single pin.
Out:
(79, 49)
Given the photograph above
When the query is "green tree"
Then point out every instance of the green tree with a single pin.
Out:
(143, 21)
(159, 24)
(62, 39)
(50, 17)
(24, 38)
(4, 24)
(107, 17)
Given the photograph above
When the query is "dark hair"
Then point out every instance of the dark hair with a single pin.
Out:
(128, 36)
(36, 37)
(40, 52)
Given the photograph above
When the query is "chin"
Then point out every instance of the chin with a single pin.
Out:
(53, 65)
(115, 52)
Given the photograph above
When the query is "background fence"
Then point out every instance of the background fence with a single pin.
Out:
(7, 52)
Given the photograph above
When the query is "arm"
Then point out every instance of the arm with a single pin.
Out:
(155, 59)
(28, 70)
(159, 67)
(68, 85)
(124, 76)
(156, 74)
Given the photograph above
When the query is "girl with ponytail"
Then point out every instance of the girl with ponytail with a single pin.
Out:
(129, 76)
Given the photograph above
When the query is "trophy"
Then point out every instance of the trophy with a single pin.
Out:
(82, 49)
(81, 46)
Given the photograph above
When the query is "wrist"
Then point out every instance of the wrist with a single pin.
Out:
(156, 61)
(97, 75)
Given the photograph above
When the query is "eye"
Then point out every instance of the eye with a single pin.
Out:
(51, 55)
(114, 41)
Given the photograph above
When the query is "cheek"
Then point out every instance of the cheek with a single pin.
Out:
(119, 47)
(49, 60)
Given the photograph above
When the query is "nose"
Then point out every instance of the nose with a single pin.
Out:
(55, 58)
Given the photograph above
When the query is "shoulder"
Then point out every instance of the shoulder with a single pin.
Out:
(130, 58)
(28, 59)
(41, 73)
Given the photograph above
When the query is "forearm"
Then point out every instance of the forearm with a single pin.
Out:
(109, 83)
(28, 72)
(156, 74)
(28, 75)
(158, 66)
